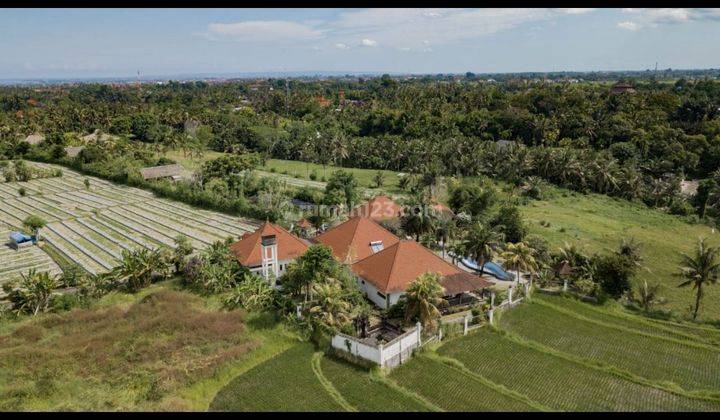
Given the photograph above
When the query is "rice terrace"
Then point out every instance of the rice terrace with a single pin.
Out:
(91, 225)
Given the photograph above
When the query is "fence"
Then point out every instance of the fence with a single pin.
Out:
(390, 354)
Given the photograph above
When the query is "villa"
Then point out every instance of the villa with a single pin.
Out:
(385, 275)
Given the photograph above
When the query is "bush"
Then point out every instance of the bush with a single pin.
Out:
(313, 175)
(64, 302)
(22, 191)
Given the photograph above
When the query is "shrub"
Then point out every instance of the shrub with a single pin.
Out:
(22, 191)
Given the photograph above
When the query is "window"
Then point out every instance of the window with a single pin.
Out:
(376, 246)
(382, 295)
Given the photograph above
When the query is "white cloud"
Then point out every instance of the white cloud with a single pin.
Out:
(655, 17)
(367, 42)
(629, 25)
(342, 46)
(408, 28)
(578, 10)
(263, 31)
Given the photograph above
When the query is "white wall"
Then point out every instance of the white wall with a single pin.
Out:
(390, 354)
(281, 270)
(372, 293)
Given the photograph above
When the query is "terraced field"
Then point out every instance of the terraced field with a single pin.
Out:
(554, 354)
(92, 226)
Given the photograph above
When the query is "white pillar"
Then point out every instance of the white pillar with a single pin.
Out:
(565, 285)
(465, 326)
(490, 316)
(381, 355)
(510, 290)
(418, 326)
(492, 299)
(297, 309)
(439, 334)
(527, 289)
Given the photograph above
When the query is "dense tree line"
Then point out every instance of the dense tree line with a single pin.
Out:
(636, 145)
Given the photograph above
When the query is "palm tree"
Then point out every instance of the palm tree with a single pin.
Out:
(647, 295)
(330, 311)
(522, 257)
(700, 269)
(445, 229)
(480, 243)
(418, 220)
(424, 296)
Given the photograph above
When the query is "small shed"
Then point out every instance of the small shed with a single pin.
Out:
(173, 172)
(73, 151)
(34, 138)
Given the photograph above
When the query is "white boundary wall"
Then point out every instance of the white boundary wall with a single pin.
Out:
(389, 354)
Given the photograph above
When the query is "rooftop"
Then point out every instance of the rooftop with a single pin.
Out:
(248, 248)
(356, 238)
(379, 208)
(164, 171)
(394, 268)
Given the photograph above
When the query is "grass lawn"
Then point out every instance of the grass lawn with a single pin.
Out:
(598, 223)
(159, 349)
(300, 170)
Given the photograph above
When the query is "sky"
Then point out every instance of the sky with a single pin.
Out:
(78, 43)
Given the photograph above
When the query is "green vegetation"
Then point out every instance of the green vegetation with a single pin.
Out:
(284, 383)
(452, 389)
(688, 363)
(557, 382)
(365, 392)
(597, 224)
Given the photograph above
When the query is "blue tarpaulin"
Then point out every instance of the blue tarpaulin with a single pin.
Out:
(19, 238)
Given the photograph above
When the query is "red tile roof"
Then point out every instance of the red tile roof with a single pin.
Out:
(395, 267)
(379, 208)
(248, 249)
(355, 236)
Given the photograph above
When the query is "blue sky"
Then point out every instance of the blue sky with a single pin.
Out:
(118, 42)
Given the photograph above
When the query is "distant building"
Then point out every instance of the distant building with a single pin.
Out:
(622, 88)
(97, 136)
(34, 138)
(379, 208)
(73, 151)
(504, 143)
(173, 172)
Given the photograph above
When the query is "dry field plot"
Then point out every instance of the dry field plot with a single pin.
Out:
(92, 226)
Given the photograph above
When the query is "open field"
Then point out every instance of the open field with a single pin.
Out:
(159, 349)
(92, 227)
(553, 354)
(297, 173)
(598, 223)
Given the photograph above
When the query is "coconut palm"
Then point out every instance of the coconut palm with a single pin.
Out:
(521, 257)
(445, 230)
(647, 296)
(330, 310)
(700, 269)
(480, 243)
(424, 296)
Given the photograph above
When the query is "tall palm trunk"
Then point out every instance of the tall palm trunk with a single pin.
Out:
(697, 300)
